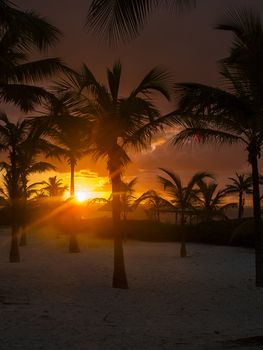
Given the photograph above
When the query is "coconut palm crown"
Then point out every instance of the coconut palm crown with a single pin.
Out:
(181, 196)
(240, 184)
(210, 202)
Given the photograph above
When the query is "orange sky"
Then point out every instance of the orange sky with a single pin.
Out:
(186, 45)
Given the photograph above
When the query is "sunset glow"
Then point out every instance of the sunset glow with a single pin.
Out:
(82, 196)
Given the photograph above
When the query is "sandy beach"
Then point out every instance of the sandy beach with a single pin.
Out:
(54, 300)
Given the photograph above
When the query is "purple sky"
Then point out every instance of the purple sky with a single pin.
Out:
(186, 45)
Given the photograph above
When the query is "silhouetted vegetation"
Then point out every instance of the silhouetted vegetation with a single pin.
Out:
(81, 116)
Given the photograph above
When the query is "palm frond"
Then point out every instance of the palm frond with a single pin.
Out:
(40, 167)
(114, 77)
(176, 181)
(30, 26)
(117, 20)
(202, 135)
(24, 96)
(156, 80)
(37, 70)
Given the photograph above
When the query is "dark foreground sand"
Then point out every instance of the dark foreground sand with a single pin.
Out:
(53, 300)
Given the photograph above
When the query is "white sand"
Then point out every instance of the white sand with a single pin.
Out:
(53, 300)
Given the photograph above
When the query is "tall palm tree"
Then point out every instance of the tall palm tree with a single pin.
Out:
(154, 203)
(117, 124)
(210, 202)
(69, 131)
(234, 115)
(241, 184)
(117, 20)
(70, 134)
(22, 33)
(181, 196)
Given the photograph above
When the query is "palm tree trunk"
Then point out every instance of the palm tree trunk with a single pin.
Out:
(257, 221)
(119, 273)
(73, 243)
(183, 252)
(14, 256)
(72, 177)
(23, 237)
(158, 215)
(240, 205)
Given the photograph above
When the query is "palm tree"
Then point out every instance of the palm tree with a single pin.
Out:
(22, 147)
(29, 150)
(241, 184)
(117, 124)
(68, 130)
(210, 202)
(235, 115)
(22, 33)
(154, 203)
(11, 137)
(181, 196)
(117, 20)
(26, 200)
(54, 187)
(70, 134)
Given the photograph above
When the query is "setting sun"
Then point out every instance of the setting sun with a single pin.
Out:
(82, 196)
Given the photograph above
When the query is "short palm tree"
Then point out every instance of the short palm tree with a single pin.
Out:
(54, 187)
(117, 124)
(154, 203)
(181, 196)
(209, 202)
(11, 137)
(241, 184)
(29, 150)
(116, 20)
(22, 146)
(234, 115)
